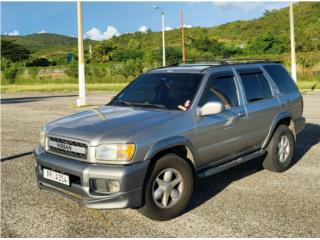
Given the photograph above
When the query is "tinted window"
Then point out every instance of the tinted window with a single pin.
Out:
(222, 89)
(256, 86)
(265, 86)
(281, 78)
(167, 89)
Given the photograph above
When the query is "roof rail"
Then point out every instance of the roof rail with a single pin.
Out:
(228, 61)
(218, 62)
(171, 65)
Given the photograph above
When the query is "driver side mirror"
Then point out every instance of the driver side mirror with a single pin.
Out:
(210, 108)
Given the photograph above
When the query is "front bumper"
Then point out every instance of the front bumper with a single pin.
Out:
(130, 177)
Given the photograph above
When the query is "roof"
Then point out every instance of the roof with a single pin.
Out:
(201, 66)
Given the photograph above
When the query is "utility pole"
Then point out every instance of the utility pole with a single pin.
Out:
(293, 48)
(81, 101)
(163, 37)
(182, 38)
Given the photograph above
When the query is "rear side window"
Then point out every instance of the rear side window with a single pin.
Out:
(281, 78)
(256, 86)
(265, 86)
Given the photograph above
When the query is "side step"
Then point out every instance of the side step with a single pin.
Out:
(214, 170)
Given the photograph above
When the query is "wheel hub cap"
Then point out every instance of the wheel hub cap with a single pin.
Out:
(167, 188)
(283, 148)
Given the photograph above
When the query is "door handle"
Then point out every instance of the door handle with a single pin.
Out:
(241, 114)
(283, 104)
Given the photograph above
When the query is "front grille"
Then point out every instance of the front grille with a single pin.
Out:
(68, 152)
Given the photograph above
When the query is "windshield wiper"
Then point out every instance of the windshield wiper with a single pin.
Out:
(151, 105)
(125, 103)
(146, 104)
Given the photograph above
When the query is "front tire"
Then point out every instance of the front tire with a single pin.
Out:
(280, 150)
(168, 189)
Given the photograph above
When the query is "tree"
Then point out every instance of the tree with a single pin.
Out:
(102, 52)
(72, 69)
(125, 54)
(13, 51)
(10, 69)
(267, 43)
(173, 55)
(212, 47)
(39, 62)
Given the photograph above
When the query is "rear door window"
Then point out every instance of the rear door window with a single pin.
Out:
(281, 78)
(255, 85)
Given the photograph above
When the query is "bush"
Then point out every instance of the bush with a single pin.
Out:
(72, 70)
(173, 55)
(268, 44)
(119, 55)
(10, 73)
(40, 62)
(33, 71)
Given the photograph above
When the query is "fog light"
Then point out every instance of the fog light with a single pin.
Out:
(100, 185)
(114, 186)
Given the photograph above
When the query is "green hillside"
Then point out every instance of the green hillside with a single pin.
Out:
(45, 42)
(275, 22)
(307, 25)
(43, 57)
(36, 42)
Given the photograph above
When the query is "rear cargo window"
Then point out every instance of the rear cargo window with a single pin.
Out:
(281, 78)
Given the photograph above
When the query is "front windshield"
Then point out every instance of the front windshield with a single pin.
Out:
(161, 90)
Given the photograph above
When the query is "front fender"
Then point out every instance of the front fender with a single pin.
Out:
(170, 143)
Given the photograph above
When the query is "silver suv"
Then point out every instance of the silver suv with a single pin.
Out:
(148, 146)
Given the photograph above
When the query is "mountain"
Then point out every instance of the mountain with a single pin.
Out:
(306, 20)
(238, 33)
(45, 42)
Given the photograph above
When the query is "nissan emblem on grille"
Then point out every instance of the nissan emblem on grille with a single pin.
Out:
(67, 147)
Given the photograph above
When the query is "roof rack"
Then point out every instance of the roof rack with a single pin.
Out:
(218, 62)
(227, 61)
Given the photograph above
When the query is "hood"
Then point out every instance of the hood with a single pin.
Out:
(112, 123)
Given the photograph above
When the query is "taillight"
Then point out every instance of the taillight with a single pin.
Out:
(302, 103)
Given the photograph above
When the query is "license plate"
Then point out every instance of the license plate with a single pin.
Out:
(55, 176)
(67, 147)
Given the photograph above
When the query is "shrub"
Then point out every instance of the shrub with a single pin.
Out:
(40, 62)
(33, 71)
(72, 69)
(11, 72)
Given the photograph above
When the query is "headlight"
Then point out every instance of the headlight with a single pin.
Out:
(42, 138)
(115, 152)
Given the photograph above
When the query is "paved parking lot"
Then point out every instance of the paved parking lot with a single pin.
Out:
(246, 201)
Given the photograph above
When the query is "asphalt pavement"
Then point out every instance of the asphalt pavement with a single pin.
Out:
(246, 201)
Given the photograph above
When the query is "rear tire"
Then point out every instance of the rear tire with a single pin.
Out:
(168, 189)
(280, 150)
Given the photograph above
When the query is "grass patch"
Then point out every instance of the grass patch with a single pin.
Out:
(304, 85)
(100, 87)
(65, 87)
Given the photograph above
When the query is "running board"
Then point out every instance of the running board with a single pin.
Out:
(214, 170)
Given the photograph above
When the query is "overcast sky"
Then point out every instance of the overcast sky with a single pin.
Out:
(103, 20)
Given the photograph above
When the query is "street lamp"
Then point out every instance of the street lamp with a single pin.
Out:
(163, 40)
